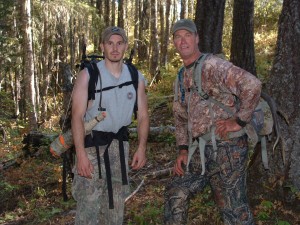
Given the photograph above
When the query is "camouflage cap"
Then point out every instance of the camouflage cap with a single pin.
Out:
(184, 24)
(109, 31)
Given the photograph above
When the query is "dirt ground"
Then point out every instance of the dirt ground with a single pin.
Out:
(270, 203)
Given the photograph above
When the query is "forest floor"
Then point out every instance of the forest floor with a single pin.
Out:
(30, 190)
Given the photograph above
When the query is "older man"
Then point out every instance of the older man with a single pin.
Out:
(198, 118)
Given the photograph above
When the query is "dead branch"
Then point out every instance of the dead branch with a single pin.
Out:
(160, 173)
(9, 163)
(135, 191)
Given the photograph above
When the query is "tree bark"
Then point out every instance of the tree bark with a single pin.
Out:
(154, 42)
(121, 14)
(191, 7)
(209, 20)
(136, 23)
(166, 36)
(143, 30)
(242, 42)
(107, 13)
(183, 9)
(45, 64)
(29, 76)
(284, 87)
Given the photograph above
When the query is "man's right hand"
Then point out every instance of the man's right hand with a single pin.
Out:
(84, 165)
(181, 159)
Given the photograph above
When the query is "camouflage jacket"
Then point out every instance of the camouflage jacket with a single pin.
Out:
(222, 81)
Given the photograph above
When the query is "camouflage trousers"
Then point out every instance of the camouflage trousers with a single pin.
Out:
(227, 177)
(92, 195)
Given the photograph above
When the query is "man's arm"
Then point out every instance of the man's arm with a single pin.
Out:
(79, 105)
(139, 158)
(248, 89)
(181, 133)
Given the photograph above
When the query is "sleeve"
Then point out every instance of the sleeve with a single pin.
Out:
(247, 88)
(142, 78)
(181, 123)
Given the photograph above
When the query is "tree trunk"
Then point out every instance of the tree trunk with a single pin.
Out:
(113, 13)
(162, 20)
(29, 80)
(45, 64)
(183, 9)
(121, 14)
(99, 6)
(143, 30)
(136, 23)
(209, 21)
(166, 36)
(242, 42)
(191, 9)
(284, 87)
(154, 43)
(107, 13)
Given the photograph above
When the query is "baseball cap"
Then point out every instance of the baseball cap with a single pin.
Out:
(184, 24)
(106, 34)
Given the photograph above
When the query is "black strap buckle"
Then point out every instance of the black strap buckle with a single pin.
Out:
(205, 96)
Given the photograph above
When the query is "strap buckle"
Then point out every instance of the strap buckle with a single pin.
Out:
(205, 96)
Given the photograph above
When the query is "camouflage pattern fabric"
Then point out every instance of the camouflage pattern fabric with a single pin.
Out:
(222, 81)
(227, 178)
(91, 194)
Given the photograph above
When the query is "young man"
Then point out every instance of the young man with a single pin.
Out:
(197, 117)
(100, 183)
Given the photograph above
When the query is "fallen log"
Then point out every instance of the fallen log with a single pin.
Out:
(156, 130)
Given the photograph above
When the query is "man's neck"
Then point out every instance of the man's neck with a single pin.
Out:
(115, 68)
(191, 59)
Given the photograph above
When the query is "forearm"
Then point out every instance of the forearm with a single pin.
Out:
(78, 134)
(143, 132)
(181, 132)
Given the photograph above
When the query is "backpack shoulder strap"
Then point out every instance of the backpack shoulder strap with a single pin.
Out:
(178, 85)
(94, 74)
(135, 79)
(198, 75)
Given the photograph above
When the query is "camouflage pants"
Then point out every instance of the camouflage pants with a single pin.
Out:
(227, 178)
(91, 194)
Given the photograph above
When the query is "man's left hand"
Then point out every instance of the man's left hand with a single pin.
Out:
(223, 127)
(139, 160)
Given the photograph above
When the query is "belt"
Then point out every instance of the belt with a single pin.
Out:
(100, 138)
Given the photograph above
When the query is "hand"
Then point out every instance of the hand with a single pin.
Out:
(225, 126)
(181, 159)
(84, 165)
(138, 160)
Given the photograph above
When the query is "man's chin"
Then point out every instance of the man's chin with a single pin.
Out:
(114, 60)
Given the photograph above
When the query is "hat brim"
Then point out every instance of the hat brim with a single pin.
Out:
(184, 28)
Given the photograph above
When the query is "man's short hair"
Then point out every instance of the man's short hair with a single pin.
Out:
(184, 24)
(109, 31)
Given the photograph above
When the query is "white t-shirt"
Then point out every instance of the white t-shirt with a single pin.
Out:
(118, 102)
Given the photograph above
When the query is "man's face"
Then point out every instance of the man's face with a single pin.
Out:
(186, 43)
(114, 48)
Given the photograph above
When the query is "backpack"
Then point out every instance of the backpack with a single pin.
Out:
(259, 128)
